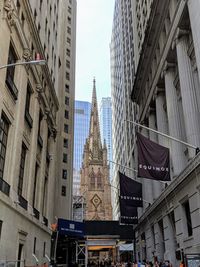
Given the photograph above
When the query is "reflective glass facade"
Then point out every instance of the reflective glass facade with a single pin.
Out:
(106, 126)
(81, 131)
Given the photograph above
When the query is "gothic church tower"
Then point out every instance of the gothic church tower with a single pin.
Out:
(95, 185)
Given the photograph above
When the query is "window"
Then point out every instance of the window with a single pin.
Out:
(41, 4)
(186, 207)
(35, 185)
(66, 128)
(69, 20)
(66, 114)
(65, 143)
(44, 249)
(44, 202)
(19, 258)
(68, 52)
(27, 106)
(69, 10)
(66, 88)
(4, 126)
(68, 40)
(34, 245)
(64, 175)
(92, 180)
(18, 6)
(64, 157)
(40, 141)
(67, 76)
(1, 223)
(21, 170)
(67, 63)
(69, 30)
(99, 184)
(66, 100)
(12, 58)
(63, 191)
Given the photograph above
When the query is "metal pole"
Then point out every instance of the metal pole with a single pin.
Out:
(165, 135)
(123, 166)
(33, 62)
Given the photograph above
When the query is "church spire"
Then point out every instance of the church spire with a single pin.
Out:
(94, 134)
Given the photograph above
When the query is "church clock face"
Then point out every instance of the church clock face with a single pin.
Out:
(96, 201)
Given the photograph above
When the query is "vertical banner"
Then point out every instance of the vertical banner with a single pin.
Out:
(130, 191)
(129, 214)
(153, 160)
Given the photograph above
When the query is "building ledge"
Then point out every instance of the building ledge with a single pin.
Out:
(181, 179)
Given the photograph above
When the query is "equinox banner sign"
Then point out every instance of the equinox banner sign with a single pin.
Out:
(129, 214)
(153, 160)
(130, 191)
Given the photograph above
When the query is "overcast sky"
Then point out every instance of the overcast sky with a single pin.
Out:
(94, 25)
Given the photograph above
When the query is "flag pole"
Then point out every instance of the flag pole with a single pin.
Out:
(123, 166)
(164, 182)
(165, 135)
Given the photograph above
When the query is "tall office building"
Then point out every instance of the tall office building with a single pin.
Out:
(81, 130)
(106, 127)
(30, 127)
(122, 79)
(66, 96)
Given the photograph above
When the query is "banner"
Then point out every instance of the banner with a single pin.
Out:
(153, 160)
(70, 228)
(129, 214)
(130, 191)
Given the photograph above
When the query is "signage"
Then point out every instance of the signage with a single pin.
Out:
(71, 228)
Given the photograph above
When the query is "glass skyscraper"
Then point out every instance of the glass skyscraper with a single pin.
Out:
(106, 126)
(81, 131)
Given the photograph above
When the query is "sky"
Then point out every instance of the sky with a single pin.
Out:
(93, 36)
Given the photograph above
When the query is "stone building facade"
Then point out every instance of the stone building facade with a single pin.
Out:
(29, 104)
(95, 185)
(167, 92)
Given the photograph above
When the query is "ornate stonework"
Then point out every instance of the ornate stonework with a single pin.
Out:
(95, 185)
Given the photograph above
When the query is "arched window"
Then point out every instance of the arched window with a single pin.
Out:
(99, 180)
(92, 180)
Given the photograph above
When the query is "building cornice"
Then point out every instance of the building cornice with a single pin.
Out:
(156, 19)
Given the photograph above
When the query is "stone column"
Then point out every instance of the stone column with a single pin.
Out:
(190, 105)
(149, 244)
(43, 163)
(156, 185)
(159, 242)
(170, 243)
(174, 121)
(51, 191)
(161, 118)
(194, 7)
(33, 145)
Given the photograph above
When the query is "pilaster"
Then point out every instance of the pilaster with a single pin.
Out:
(43, 163)
(18, 126)
(33, 146)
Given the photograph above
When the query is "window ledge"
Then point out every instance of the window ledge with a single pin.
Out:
(188, 238)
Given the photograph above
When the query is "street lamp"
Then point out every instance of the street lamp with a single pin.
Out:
(32, 62)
